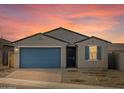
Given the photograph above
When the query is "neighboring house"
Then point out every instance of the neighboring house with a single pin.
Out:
(116, 56)
(6, 51)
(61, 48)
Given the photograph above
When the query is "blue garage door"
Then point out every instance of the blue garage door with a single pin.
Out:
(40, 57)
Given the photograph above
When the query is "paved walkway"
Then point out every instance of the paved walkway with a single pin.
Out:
(18, 83)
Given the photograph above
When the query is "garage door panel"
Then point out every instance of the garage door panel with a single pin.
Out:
(40, 57)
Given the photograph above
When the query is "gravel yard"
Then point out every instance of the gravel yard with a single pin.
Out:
(4, 71)
(110, 78)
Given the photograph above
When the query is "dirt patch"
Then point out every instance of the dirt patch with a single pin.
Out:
(78, 80)
(110, 78)
(5, 71)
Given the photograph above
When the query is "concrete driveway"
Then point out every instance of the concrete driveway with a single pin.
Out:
(49, 75)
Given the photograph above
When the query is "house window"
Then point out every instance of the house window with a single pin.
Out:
(93, 53)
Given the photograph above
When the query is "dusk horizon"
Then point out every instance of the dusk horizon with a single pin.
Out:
(103, 21)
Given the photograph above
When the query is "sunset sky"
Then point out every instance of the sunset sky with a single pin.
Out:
(103, 21)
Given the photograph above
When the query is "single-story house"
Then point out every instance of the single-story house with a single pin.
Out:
(61, 48)
(6, 52)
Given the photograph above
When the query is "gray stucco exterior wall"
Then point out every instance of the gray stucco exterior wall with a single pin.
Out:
(99, 64)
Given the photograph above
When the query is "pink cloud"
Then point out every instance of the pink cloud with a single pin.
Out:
(40, 18)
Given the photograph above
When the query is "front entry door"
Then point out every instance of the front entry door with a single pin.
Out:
(71, 57)
(112, 61)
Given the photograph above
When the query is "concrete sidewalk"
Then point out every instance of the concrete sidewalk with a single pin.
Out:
(45, 85)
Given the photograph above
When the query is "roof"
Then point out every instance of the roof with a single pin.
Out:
(66, 30)
(26, 37)
(95, 38)
(5, 42)
(39, 34)
(66, 35)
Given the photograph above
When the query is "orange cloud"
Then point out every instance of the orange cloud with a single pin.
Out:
(18, 21)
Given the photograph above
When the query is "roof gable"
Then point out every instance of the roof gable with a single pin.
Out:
(95, 38)
(37, 35)
(66, 35)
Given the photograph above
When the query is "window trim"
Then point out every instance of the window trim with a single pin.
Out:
(96, 54)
